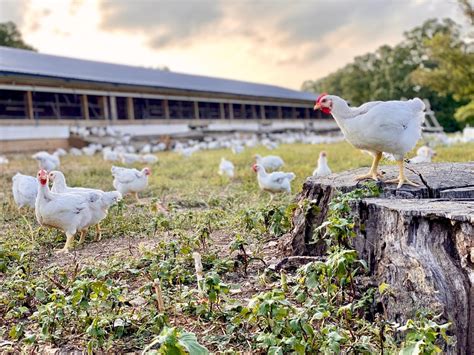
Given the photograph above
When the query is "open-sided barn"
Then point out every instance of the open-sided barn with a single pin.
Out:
(48, 91)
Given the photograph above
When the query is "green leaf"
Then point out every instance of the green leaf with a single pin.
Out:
(190, 343)
(382, 287)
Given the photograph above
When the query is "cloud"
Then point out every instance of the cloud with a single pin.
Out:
(12, 10)
(305, 27)
(164, 21)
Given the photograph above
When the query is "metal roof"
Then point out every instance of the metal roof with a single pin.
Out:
(21, 61)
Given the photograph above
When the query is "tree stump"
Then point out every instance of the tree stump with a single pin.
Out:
(419, 240)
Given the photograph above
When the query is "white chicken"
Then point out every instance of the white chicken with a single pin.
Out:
(25, 189)
(270, 162)
(226, 168)
(3, 160)
(110, 155)
(47, 161)
(274, 182)
(129, 158)
(70, 213)
(75, 152)
(237, 148)
(323, 168)
(130, 180)
(149, 159)
(99, 209)
(379, 126)
(424, 154)
(60, 152)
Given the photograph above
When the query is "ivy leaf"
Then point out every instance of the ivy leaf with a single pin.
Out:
(190, 343)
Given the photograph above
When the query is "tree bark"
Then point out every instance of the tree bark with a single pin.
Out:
(419, 240)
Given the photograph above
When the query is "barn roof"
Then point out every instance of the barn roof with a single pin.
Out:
(20, 61)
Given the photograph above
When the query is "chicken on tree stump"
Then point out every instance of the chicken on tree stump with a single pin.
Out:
(378, 126)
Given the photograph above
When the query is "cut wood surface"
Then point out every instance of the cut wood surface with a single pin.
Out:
(419, 240)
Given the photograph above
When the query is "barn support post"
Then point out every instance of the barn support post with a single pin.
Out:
(280, 115)
(113, 108)
(85, 107)
(166, 109)
(293, 112)
(262, 112)
(130, 110)
(29, 105)
(231, 111)
(306, 113)
(196, 110)
(254, 112)
(222, 111)
(104, 107)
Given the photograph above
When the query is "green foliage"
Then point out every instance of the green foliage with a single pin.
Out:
(175, 341)
(102, 297)
(272, 220)
(11, 37)
(422, 335)
(339, 225)
(465, 114)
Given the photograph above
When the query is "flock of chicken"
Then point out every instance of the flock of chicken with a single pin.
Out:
(380, 128)
(75, 209)
(72, 209)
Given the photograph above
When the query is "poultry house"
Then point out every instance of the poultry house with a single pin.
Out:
(47, 161)
(25, 189)
(269, 162)
(424, 154)
(130, 180)
(68, 212)
(226, 168)
(274, 182)
(99, 209)
(379, 126)
(322, 169)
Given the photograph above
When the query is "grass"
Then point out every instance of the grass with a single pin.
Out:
(77, 300)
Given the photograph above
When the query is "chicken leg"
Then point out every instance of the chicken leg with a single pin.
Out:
(83, 237)
(373, 173)
(68, 245)
(402, 179)
(136, 196)
(98, 235)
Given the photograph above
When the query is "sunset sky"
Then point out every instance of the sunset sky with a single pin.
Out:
(282, 42)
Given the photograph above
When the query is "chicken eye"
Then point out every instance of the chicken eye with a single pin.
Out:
(324, 100)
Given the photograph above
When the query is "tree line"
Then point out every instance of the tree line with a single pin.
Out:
(433, 61)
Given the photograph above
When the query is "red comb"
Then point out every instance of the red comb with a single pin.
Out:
(320, 97)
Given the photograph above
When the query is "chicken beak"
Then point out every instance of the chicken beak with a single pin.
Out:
(316, 107)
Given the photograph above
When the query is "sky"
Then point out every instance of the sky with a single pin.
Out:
(280, 42)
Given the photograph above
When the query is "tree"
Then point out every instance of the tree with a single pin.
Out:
(10, 36)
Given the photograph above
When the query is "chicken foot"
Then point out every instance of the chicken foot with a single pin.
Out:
(373, 173)
(68, 245)
(402, 179)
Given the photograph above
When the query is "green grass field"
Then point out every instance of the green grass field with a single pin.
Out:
(102, 296)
